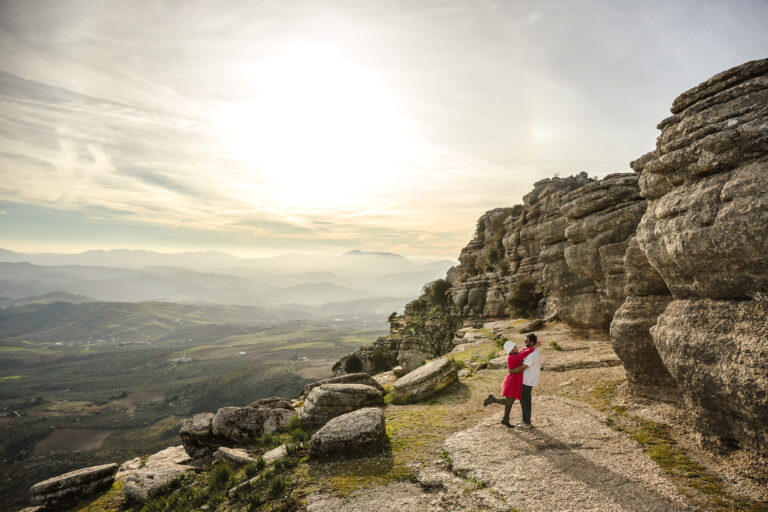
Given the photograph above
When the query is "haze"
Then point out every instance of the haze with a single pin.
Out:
(319, 127)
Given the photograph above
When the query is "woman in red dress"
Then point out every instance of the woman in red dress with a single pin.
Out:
(513, 385)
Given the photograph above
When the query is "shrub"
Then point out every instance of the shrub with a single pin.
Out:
(277, 486)
(496, 252)
(294, 423)
(480, 227)
(523, 299)
(437, 292)
(267, 439)
(298, 435)
(252, 468)
(353, 364)
(555, 346)
(219, 476)
(378, 361)
(458, 363)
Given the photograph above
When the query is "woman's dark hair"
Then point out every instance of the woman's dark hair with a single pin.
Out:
(531, 337)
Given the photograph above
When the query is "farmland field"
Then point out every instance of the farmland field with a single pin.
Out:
(75, 392)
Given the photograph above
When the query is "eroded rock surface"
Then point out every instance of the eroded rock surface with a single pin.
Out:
(357, 431)
(58, 491)
(245, 424)
(197, 435)
(233, 456)
(705, 234)
(143, 479)
(328, 401)
(425, 381)
(347, 378)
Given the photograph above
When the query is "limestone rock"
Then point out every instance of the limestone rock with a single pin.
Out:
(425, 381)
(330, 400)
(347, 378)
(233, 456)
(531, 326)
(276, 453)
(357, 431)
(399, 371)
(271, 403)
(716, 350)
(144, 479)
(245, 424)
(197, 435)
(67, 488)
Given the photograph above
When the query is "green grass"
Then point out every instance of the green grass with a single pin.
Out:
(555, 346)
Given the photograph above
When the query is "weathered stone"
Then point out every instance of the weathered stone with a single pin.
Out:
(631, 337)
(716, 350)
(425, 381)
(245, 424)
(533, 325)
(70, 487)
(347, 378)
(276, 453)
(357, 431)
(233, 456)
(399, 371)
(271, 403)
(330, 400)
(144, 479)
(197, 435)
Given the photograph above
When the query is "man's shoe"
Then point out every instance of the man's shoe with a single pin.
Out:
(522, 425)
(506, 423)
(488, 400)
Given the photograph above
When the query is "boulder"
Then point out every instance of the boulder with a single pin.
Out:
(357, 431)
(276, 453)
(143, 479)
(245, 424)
(347, 378)
(425, 381)
(399, 371)
(61, 490)
(330, 400)
(197, 435)
(533, 325)
(717, 352)
(233, 456)
(271, 403)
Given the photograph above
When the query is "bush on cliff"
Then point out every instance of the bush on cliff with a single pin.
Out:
(523, 299)
(436, 292)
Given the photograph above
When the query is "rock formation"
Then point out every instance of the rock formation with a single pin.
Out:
(330, 400)
(144, 478)
(360, 430)
(425, 381)
(701, 278)
(69, 487)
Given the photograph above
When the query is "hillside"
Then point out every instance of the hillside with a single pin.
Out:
(593, 447)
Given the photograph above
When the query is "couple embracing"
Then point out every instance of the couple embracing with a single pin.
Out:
(524, 367)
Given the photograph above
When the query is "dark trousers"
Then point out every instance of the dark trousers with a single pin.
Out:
(525, 403)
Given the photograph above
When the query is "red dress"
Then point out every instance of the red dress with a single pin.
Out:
(513, 384)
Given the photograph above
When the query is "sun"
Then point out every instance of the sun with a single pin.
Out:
(318, 130)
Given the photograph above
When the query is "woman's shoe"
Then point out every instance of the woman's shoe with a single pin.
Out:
(488, 400)
(506, 423)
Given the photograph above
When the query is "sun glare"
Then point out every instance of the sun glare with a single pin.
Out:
(317, 131)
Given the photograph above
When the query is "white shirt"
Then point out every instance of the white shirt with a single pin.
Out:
(531, 374)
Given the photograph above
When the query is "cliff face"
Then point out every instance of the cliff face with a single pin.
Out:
(696, 319)
(570, 235)
(672, 260)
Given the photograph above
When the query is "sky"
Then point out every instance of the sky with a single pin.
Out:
(266, 127)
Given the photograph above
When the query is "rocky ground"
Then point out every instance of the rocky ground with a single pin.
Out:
(593, 446)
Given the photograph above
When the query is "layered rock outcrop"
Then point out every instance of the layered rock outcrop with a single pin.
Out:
(57, 492)
(704, 237)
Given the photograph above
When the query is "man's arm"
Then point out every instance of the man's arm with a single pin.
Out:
(519, 369)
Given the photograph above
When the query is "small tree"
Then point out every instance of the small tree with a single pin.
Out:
(436, 292)
(523, 299)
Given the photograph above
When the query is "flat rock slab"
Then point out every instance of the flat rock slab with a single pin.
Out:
(356, 431)
(277, 453)
(72, 486)
(233, 456)
(348, 378)
(142, 481)
(569, 461)
(244, 424)
(425, 381)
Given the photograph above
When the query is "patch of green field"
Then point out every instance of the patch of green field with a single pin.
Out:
(11, 377)
(309, 344)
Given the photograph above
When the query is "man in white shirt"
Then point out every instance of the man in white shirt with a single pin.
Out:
(531, 369)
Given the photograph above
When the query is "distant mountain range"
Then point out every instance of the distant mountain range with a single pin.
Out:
(366, 282)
